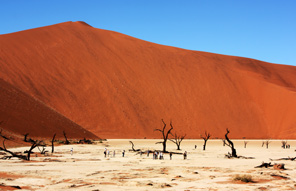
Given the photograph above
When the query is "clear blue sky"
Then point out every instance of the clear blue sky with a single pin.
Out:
(259, 29)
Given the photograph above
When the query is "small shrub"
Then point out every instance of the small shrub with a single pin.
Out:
(244, 178)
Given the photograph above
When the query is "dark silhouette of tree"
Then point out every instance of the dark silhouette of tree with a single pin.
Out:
(67, 142)
(133, 147)
(206, 137)
(229, 143)
(25, 137)
(35, 143)
(52, 143)
(267, 142)
(224, 142)
(165, 135)
(13, 154)
(245, 143)
(284, 144)
(177, 140)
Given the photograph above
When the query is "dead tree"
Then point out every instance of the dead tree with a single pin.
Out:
(165, 135)
(245, 143)
(267, 142)
(35, 143)
(206, 137)
(52, 143)
(33, 146)
(24, 157)
(230, 144)
(284, 144)
(8, 151)
(135, 150)
(264, 165)
(289, 158)
(67, 142)
(43, 145)
(25, 137)
(20, 156)
(177, 140)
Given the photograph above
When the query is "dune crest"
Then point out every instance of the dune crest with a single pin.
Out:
(117, 86)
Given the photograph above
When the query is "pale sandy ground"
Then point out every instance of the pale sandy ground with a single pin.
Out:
(87, 169)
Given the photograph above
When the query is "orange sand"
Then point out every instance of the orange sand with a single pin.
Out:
(117, 86)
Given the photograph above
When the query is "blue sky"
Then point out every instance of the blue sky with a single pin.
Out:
(259, 29)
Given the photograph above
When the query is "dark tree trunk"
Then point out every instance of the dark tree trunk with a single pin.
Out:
(206, 137)
(204, 146)
(230, 144)
(52, 143)
(25, 137)
(30, 151)
(165, 135)
(67, 142)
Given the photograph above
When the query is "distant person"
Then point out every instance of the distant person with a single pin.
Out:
(105, 152)
(148, 153)
(114, 153)
(171, 154)
(160, 156)
(123, 153)
(195, 146)
(108, 152)
(185, 155)
(156, 155)
(71, 151)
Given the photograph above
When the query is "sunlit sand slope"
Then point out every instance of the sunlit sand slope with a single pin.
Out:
(117, 86)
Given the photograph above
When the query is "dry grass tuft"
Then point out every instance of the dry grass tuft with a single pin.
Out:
(244, 178)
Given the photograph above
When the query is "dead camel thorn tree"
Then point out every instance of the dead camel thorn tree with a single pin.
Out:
(133, 147)
(52, 143)
(267, 142)
(66, 142)
(230, 144)
(206, 137)
(245, 144)
(165, 135)
(177, 140)
(35, 143)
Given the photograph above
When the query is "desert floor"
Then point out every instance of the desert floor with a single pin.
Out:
(88, 169)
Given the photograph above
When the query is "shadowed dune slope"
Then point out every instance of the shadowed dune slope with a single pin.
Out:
(117, 86)
(21, 114)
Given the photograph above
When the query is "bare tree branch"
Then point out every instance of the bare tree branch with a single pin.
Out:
(177, 140)
(164, 134)
(206, 137)
(230, 144)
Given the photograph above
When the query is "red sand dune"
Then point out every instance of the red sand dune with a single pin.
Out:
(21, 114)
(117, 86)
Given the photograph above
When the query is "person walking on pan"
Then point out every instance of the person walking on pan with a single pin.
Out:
(105, 152)
(185, 155)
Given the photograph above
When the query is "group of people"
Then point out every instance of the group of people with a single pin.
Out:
(108, 153)
(156, 154)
